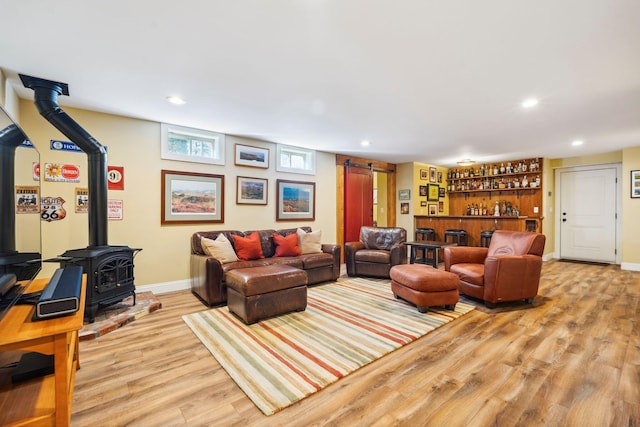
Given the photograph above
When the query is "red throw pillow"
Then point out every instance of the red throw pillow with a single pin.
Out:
(248, 248)
(286, 246)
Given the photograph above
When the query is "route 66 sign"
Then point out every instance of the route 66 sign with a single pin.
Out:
(52, 209)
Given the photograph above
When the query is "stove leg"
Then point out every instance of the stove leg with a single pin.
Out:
(93, 308)
(134, 298)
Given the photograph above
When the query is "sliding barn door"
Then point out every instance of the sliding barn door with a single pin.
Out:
(358, 201)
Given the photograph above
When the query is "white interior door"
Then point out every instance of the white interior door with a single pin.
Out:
(588, 214)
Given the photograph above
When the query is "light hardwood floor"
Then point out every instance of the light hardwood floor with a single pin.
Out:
(573, 359)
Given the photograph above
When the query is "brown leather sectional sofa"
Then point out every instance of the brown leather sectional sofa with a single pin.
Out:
(208, 273)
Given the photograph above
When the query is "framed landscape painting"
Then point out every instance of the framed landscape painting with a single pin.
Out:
(254, 157)
(251, 191)
(190, 198)
(295, 201)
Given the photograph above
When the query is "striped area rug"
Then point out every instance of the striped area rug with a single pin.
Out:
(347, 324)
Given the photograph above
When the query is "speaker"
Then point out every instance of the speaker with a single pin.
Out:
(61, 296)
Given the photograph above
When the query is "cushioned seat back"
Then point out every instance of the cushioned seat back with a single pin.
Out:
(505, 242)
(384, 238)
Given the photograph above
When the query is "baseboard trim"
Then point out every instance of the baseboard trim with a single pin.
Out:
(165, 287)
(630, 266)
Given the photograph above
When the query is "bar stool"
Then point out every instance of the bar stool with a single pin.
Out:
(485, 238)
(425, 234)
(457, 236)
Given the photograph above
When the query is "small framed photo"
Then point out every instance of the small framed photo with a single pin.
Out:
(440, 206)
(423, 204)
(441, 192)
(404, 194)
(432, 174)
(433, 209)
(255, 157)
(404, 208)
(424, 174)
(190, 198)
(251, 191)
(635, 184)
(433, 193)
(423, 190)
(296, 200)
(439, 177)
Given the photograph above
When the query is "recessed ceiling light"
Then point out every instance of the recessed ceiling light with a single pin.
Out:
(529, 103)
(176, 100)
(577, 142)
(365, 143)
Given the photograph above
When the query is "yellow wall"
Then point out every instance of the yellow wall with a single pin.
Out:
(135, 145)
(631, 210)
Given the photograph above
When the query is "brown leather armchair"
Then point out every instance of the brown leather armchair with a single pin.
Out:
(378, 250)
(508, 270)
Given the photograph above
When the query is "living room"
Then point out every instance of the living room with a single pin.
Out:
(134, 144)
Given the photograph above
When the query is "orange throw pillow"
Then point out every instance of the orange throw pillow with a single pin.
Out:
(286, 245)
(248, 248)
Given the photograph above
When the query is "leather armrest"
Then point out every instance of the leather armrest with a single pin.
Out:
(464, 254)
(511, 277)
(399, 254)
(335, 251)
(206, 279)
(350, 249)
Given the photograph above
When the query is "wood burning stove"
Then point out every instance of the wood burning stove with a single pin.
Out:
(109, 269)
(109, 272)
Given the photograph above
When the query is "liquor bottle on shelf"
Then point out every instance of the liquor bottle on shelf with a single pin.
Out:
(496, 209)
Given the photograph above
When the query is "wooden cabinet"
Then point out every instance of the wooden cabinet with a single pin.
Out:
(515, 186)
(45, 400)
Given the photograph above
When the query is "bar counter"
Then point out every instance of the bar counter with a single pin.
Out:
(473, 225)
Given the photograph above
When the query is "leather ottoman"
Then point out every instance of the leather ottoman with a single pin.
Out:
(257, 293)
(425, 286)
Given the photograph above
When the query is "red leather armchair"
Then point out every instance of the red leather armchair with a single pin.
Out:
(508, 270)
(378, 250)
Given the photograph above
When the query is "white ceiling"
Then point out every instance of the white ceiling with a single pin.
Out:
(428, 81)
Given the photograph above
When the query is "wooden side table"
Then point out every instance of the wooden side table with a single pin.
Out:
(45, 400)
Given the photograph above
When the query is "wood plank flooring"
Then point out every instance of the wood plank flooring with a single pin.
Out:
(573, 359)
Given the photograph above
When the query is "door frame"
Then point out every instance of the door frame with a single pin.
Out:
(558, 190)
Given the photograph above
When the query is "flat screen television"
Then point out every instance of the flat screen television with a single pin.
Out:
(20, 241)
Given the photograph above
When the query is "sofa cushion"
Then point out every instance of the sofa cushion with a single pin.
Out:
(384, 238)
(375, 256)
(470, 273)
(220, 248)
(310, 242)
(248, 248)
(316, 260)
(286, 246)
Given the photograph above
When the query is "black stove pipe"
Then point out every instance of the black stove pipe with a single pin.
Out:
(10, 138)
(46, 100)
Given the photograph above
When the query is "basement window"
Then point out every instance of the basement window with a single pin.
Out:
(192, 145)
(295, 160)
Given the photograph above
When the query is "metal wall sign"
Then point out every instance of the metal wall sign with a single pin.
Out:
(57, 145)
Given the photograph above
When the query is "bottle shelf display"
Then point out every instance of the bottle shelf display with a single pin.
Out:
(518, 175)
(506, 189)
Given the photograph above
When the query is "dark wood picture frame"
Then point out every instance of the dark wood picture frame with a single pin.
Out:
(295, 200)
(433, 192)
(251, 191)
(191, 198)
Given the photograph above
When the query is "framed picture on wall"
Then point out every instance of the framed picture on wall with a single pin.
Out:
(404, 208)
(423, 190)
(295, 200)
(433, 209)
(432, 174)
(254, 157)
(190, 198)
(635, 184)
(251, 191)
(441, 192)
(439, 177)
(424, 174)
(433, 192)
(404, 194)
